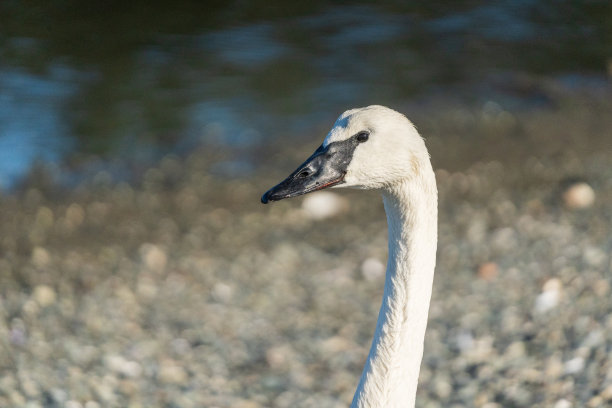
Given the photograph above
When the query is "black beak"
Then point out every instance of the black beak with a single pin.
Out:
(325, 168)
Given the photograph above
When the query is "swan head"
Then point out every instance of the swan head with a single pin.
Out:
(368, 148)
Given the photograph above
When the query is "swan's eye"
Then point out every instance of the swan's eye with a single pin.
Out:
(362, 136)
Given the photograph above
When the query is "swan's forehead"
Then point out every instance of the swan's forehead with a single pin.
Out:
(348, 124)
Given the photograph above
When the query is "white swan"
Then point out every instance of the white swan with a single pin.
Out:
(378, 148)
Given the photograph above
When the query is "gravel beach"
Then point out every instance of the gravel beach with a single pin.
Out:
(184, 291)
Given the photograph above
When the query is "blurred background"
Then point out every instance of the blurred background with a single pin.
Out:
(138, 269)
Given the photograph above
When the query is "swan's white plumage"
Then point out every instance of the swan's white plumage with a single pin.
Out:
(395, 161)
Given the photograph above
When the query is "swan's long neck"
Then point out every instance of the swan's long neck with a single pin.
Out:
(391, 372)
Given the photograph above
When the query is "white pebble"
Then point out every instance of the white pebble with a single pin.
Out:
(172, 374)
(222, 292)
(123, 366)
(563, 403)
(323, 205)
(573, 366)
(550, 296)
(372, 269)
(44, 295)
(579, 196)
(154, 257)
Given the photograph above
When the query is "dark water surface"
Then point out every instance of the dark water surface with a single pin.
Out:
(131, 82)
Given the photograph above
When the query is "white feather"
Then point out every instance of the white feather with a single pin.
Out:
(395, 161)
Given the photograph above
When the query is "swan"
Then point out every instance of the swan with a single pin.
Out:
(378, 148)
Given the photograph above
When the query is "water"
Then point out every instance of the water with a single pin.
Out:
(136, 81)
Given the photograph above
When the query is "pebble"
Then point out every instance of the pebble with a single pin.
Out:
(579, 196)
(279, 357)
(222, 292)
(573, 366)
(154, 257)
(323, 205)
(171, 373)
(606, 393)
(550, 296)
(44, 295)
(372, 269)
(488, 271)
(562, 403)
(123, 366)
(40, 257)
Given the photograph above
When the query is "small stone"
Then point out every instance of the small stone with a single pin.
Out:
(180, 346)
(44, 217)
(73, 404)
(443, 387)
(44, 295)
(40, 257)
(372, 269)
(515, 350)
(245, 404)
(563, 403)
(550, 296)
(594, 256)
(601, 287)
(75, 214)
(554, 368)
(579, 196)
(595, 402)
(123, 366)
(59, 395)
(606, 393)
(279, 357)
(334, 345)
(323, 205)
(170, 373)
(464, 341)
(154, 257)
(16, 398)
(488, 271)
(573, 366)
(222, 292)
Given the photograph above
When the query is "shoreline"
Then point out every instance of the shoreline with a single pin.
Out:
(183, 290)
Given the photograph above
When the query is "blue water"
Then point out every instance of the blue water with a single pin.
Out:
(110, 89)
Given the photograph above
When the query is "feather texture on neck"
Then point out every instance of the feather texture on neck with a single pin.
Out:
(390, 375)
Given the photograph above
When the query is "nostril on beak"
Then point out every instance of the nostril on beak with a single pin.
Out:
(304, 173)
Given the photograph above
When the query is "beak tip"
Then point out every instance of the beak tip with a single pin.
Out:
(265, 198)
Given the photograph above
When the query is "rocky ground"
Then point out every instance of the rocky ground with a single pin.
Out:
(184, 291)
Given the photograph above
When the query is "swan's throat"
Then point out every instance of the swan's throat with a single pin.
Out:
(391, 372)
